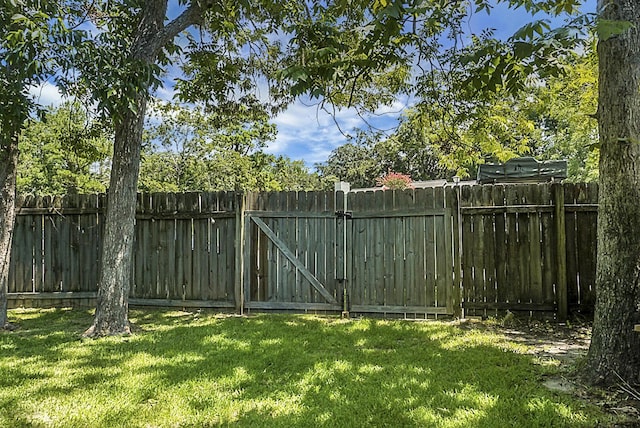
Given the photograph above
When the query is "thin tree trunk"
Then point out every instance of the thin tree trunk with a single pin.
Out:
(8, 167)
(112, 309)
(615, 347)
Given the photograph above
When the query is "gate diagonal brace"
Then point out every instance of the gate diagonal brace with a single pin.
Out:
(344, 214)
(293, 259)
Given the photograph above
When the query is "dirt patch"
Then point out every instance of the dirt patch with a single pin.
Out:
(560, 384)
(565, 342)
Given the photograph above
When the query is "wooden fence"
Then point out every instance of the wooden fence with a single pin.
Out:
(528, 247)
(419, 252)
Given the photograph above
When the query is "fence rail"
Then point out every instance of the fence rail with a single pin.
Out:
(482, 249)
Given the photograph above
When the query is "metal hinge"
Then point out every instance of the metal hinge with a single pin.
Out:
(344, 214)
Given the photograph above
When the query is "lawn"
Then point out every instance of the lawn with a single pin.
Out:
(189, 369)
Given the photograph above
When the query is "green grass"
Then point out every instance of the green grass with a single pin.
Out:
(183, 369)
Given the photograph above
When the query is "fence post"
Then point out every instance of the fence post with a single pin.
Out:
(238, 294)
(341, 190)
(456, 237)
(561, 250)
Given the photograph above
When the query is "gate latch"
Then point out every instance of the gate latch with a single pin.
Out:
(344, 214)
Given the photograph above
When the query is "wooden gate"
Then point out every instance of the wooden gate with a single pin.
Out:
(400, 252)
(364, 252)
(289, 253)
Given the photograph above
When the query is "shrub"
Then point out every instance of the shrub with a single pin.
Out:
(394, 181)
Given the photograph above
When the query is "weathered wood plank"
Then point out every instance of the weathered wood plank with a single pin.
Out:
(477, 225)
(239, 259)
(523, 245)
(294, 306)
(151, 251)
(159, 230)
(19, 253)
(549, 248)
(357, 246)
(176, 303)
(501, 246)
(228, 201)
(329, 228)
(586, 232)
(53, 295)
(299, 225)
(71, 271)
(249, 247)
(467, 248)
(535, 250)
(308, 238)
(379, 240)
(320, 246)
(405, 211)
(184, 247)
(201, 253)
(489, 236)
(503, 306)
(257, 260)
(456, 279)
(399, 309)
(290, 271)
(443, 276)
(561, 253)
(508, 209)
(276, 279)
(412, 250)
(138, 254)
(389, 251)
(370, 263)
(291, 257)
(421, 199)
(169, 245)
(571, 244)
(512, 268)
(53, 270)
(38, 253)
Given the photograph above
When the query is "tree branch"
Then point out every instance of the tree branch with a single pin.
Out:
(153, 43)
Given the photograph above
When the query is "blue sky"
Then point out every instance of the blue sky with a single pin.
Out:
(310, 134)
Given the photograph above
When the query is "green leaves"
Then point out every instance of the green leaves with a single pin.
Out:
(607, 28)
(191, 149)
(30, 54)
(531, 29)
(65, 152)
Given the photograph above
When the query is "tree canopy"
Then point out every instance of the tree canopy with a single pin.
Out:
(64, 152)
(550, 118)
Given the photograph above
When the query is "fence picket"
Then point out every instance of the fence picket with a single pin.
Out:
(489, 236)
(501, 245)
(549, 257)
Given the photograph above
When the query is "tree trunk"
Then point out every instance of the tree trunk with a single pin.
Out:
(8, 166)
(114, 283)
(615, 347)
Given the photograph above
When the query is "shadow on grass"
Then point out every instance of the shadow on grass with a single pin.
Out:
(186, 370)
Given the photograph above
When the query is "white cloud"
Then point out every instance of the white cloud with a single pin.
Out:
(46, 94)
(166, 92)
(310, 134)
